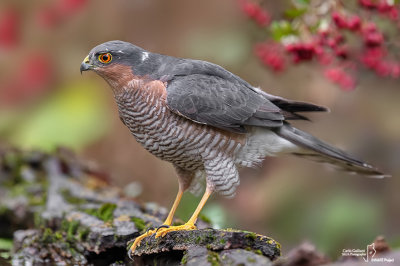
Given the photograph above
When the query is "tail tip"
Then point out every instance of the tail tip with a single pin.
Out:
(374, 172)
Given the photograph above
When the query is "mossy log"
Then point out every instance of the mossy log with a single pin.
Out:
(60, 210)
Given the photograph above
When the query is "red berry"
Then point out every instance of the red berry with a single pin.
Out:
(368, 4)
(372, 56)
(373, 39)
(342, 78)
(394, 14)
(396, 70)
(342, 52)
(301, 51)
(250, 9)
(255, 12)
(339, 38)
(324, 58)
(383, 6)
(271, 55)
(9, 28)
(339, 20)
(354, 23)
(262, 18)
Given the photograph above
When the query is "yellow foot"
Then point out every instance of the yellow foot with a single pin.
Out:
(138, 239)
(164, 230)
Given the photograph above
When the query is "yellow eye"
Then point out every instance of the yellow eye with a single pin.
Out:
(105, 58)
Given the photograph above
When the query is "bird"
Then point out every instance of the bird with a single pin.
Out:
(206, 121)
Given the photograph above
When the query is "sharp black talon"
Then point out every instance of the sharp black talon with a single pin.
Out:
(130, 253)
(162, 226)
(150, 228)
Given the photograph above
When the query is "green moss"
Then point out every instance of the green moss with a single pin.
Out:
(211, 237)
(64, 225)
(278, 245)
(92, 212)
(251, 235)
(67, 195)
(72, 228)
(258, 252)
(184, 258)
(232, 230)
(213, 258)
(25, 189)
(58, 235)
(47, 236)
(37, 200)
(105, 212)
(83, 232)
(222, 241)
(139, 223)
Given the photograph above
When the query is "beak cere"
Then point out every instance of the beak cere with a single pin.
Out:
(85, 65)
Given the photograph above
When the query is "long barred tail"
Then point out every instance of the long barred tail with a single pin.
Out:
(318, 150)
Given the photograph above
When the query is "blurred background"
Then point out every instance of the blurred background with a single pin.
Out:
(46, 103)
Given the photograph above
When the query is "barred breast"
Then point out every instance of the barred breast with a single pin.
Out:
(167, 135)
(198, 149)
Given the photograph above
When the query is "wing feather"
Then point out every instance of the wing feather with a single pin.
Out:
(221, 103)
(208, 94)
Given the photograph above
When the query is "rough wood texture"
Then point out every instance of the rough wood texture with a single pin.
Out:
(61, 210)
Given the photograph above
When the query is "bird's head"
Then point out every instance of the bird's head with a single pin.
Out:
(114, 60)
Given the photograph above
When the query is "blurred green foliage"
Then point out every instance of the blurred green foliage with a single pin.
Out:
(74, 116)
(340, 219)
(5, 248)
(6, 243)
(355, 217)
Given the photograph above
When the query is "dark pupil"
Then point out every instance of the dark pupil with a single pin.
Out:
(105, 57)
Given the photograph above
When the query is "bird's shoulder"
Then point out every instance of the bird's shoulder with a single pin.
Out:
(170, 68)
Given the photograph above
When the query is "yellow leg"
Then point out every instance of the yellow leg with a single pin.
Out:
(167, 222)
(189, 225)
(170, 216)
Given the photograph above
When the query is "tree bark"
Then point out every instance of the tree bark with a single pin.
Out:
(59, 209)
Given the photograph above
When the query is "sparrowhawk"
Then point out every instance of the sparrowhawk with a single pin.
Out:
(205, 120)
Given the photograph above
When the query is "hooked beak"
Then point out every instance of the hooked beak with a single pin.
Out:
(85, 65)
